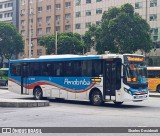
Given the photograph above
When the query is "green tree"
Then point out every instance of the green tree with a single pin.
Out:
(122, 31)
(11, 42)
(68, 43)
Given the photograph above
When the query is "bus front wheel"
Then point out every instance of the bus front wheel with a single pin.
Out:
(158, 88)
(96, 98)
(38, 93)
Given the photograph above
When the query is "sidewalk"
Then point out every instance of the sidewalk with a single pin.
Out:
(9, 99)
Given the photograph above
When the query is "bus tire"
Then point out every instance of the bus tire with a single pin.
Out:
(38, 95)
(158, 88)
(96, 98)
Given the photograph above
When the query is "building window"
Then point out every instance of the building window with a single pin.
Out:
(1, 15)
(48, 19)
(58, 28)
(39, 9)
(98, 23)
(23, 2)
(39, 20)
(39, 31)
(98, 11)
(30, 1)
(58, 6)
(88, 13)
(78, 14)
(67, 28)
(67, 16)
(48, 30)
(77, 26)
(138, 5)
(88, 1)
(39, 52)
(88, 24)
(8, 14)
(1, 6)
(8, 5)
(153, 3)
(154, 31)
(22, 22)
(22, 12)
(58, 17)
(153, 17)
(23, 32)
(78, 2)
(155, 38)
(68, 4)
(48, 7)
(98, 0)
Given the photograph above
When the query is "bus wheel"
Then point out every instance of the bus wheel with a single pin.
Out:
(38, 93)
(96, 98)
(118, 103)
(158, 88)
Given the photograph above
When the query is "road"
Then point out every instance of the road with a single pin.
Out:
(63, 113)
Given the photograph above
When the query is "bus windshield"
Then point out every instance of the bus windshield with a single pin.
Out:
(136, 72)
(4, 73)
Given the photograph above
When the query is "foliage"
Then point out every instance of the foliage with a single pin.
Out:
(68, 43)
(11, 41)
(121, 31)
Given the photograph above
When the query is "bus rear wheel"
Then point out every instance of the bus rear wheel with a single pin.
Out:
(96, 98)
(38, 93)
(158, 88)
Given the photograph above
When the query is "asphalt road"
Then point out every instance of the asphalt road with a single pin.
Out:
(63, 113)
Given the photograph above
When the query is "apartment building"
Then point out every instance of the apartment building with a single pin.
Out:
(87, 12)
(43, 17)
(9, 11)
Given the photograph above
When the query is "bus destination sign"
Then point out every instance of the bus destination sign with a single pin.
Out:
(137, 59)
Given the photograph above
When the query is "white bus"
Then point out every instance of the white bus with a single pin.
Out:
(97, 78)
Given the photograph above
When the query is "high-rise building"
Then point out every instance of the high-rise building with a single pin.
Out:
(9, 11)
(87, 12)
(43, 17)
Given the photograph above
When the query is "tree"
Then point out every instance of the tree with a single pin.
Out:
(68, 43)
(11, 42)
(123, 31)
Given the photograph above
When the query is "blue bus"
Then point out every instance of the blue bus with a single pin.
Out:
(96, 78)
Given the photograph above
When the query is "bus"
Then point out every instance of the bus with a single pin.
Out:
(154, 78)
(95, 78)
(3, 76)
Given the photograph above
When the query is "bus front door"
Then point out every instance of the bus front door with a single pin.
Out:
(24, 79)
(112, 78)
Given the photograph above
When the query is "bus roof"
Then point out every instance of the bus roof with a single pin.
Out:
(153, 68)
(71, 57)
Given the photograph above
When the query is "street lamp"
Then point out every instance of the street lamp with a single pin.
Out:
(30, 28)
(56, 44)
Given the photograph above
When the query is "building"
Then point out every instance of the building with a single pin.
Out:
(87, 12)
(43, 17)
(9, 11)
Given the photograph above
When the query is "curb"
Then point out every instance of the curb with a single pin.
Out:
(23, 103)
(152, 95)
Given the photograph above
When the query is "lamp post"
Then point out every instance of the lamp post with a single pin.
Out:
(30, 17)
(56, 44)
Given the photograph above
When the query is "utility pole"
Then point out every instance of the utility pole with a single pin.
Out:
(56, 44)
(30, 17)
